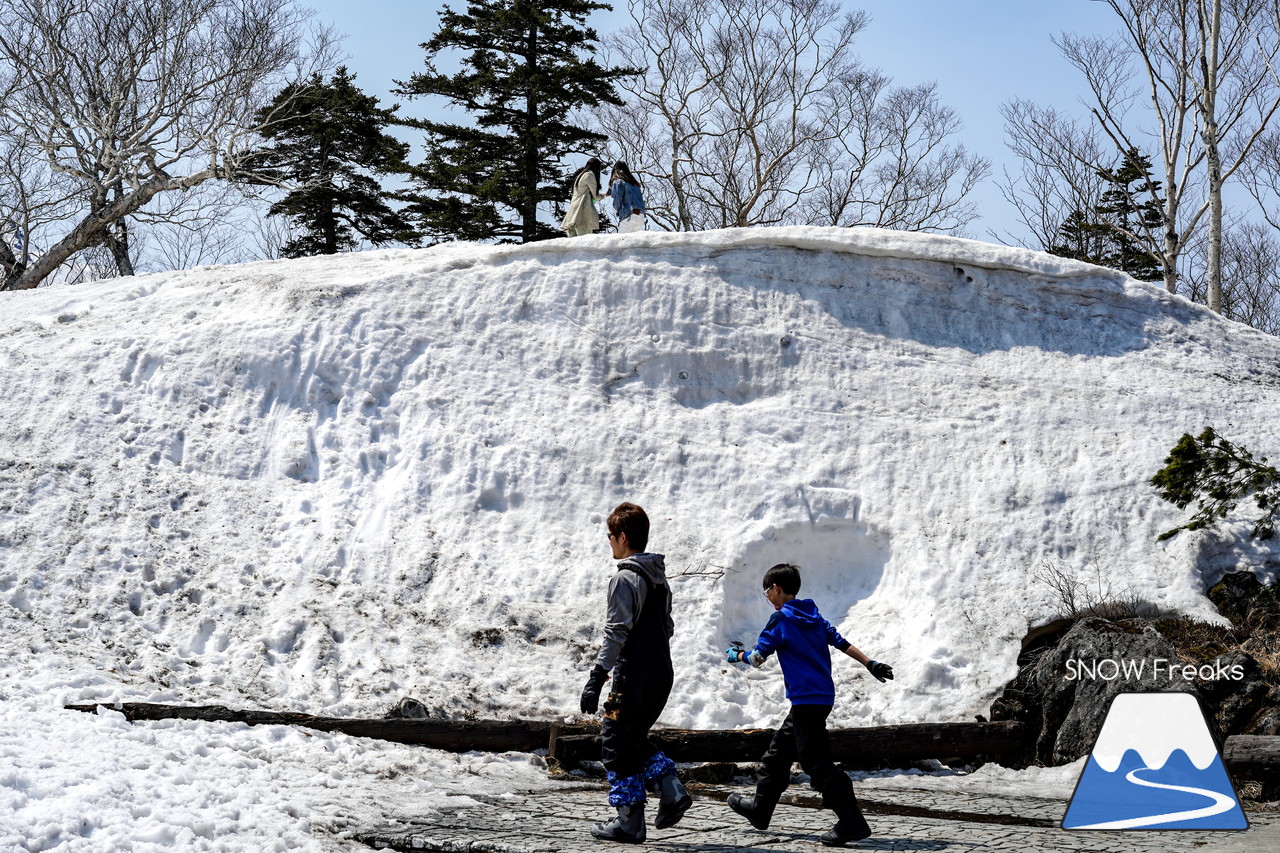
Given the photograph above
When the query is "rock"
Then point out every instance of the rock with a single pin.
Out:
(1094, 662)
(1251, 607)
(1235, 690)
(1265, 722)
(408, 708)
(1234, 594)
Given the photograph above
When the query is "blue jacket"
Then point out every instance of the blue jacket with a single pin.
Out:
(802, 638)
(626, 198)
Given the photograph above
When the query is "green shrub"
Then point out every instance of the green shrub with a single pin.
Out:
(1217, 475)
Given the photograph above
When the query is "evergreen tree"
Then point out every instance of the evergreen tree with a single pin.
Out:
(1082, 238)
(1106, 236)
(527, 67)
(329, 140)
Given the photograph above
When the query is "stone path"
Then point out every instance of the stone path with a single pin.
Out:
(902, 819)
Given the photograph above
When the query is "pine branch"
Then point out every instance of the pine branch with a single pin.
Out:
(1217, 475)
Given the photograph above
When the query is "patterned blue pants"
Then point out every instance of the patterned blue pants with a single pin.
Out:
(631, 789)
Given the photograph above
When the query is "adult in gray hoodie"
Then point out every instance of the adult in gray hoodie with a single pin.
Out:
(636, 649)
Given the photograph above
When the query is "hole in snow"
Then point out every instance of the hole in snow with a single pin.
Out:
(841, 563)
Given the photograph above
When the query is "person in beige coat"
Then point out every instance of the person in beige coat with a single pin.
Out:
(582, 218)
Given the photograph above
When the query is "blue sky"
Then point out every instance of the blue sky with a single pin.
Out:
(980, 53)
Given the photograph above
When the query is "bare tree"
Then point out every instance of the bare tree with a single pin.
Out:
(1261, 177)
(1237, 44)
(1057, 175)
(129, 99)
(1198, 67)
(759, 112)
(32, 199)
(895, 169)
(210, 224)
(1250, 259)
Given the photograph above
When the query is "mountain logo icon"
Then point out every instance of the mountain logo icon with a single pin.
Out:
(1154, 766)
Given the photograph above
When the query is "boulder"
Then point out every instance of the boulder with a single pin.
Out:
(1076, 680)
(1265, 722)
(1069, 675)
(1235, 691)
(1234, 594)
(408, 708)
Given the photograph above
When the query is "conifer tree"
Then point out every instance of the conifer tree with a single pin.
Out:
(1113, 233)
(528, 65)
(329, 140)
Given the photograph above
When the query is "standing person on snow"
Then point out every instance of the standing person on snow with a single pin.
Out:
(801, 637)
(636, 648)
(628, 202)
(585, 187)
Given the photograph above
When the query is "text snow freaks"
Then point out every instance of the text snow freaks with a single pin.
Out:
(1110, 669)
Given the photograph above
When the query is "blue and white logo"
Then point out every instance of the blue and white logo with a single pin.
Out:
(1154, 766)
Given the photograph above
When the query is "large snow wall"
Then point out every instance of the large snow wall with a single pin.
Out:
(324, 484)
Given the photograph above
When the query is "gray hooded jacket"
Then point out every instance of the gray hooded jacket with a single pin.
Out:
(627, 592)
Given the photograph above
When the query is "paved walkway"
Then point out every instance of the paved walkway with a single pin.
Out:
(909, 820)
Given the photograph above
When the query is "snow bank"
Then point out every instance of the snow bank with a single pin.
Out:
(71, 781)
(324, 484)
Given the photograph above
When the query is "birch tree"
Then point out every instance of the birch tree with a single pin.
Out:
(129, 99)
(1185, 81)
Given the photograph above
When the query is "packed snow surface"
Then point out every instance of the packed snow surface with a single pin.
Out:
(321, 485)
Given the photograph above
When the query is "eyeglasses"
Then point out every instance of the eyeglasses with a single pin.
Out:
(767, 590)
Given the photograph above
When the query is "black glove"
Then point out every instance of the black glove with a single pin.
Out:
(591, 693)
(882, 671)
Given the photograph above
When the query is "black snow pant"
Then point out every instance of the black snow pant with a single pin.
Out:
(625, 744)
(803, 737)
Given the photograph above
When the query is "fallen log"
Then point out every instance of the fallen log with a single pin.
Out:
(876, 746)
(1246, 756)
(449, 735)
(1253, 757)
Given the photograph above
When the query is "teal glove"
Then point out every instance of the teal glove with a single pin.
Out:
(734, 654)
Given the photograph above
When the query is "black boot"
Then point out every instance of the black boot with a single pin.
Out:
(674, 803)
(756, 812)
(838, 796)
(627, 827)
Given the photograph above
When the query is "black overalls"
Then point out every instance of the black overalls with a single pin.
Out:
(643, 676)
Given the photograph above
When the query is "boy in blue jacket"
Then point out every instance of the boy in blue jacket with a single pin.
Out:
(802, 639)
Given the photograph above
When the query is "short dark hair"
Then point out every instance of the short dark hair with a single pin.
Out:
(630, 519)
(785, 576)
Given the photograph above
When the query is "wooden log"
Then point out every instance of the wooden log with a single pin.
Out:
(450, 735)
(1246, 756)
(1253, 757)
(871, 746)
